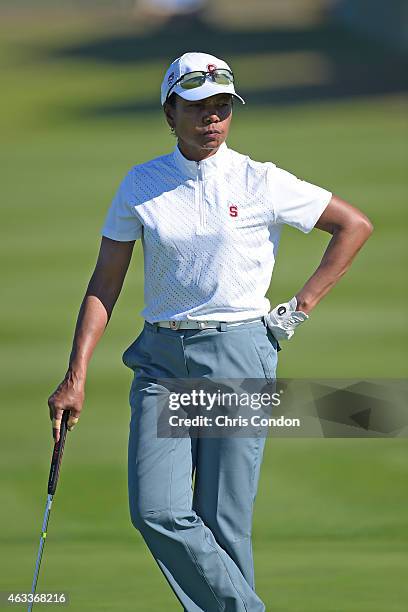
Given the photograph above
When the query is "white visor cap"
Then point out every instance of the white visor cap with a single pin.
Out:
(192, 62)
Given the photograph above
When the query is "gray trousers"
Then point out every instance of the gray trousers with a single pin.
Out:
(192, 498)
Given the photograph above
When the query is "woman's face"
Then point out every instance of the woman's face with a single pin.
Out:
(201, 126)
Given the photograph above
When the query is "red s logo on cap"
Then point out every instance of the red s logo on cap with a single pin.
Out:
(211, 67)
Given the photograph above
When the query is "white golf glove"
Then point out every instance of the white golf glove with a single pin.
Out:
(284, 319)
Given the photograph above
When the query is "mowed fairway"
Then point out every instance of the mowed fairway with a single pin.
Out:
(330, 532)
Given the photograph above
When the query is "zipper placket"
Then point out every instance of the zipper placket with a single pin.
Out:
(200, 193)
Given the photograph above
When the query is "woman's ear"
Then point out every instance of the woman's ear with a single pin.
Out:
(169, 113)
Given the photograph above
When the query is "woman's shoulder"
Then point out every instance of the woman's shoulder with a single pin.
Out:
(153, 164)
(243, 160)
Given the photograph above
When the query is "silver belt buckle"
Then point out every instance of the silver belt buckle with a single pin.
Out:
(202, 324)
(174, 324)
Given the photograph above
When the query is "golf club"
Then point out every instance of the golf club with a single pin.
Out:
(52, 485)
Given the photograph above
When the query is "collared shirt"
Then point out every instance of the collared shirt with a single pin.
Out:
(210, 231)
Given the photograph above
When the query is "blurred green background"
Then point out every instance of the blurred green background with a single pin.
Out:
(80, 106)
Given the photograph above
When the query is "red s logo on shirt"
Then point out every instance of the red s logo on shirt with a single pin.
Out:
(233, 211)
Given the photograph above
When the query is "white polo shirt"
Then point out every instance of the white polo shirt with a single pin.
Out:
(210, 231)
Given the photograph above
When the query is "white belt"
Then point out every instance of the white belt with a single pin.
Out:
(201, 324)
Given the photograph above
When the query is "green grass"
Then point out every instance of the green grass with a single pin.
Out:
(330, 522)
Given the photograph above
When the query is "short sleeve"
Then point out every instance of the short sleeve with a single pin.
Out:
(295, 202)
(121, 222)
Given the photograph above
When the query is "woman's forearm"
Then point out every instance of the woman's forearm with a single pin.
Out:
(342, 248)
(91, 324)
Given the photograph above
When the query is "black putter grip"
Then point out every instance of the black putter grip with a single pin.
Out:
(57, 455)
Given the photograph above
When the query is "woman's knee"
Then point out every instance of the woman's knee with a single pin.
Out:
(226, 525)
(144, 518)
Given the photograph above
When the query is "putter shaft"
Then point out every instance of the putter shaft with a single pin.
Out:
(52, 485)
(41, 547)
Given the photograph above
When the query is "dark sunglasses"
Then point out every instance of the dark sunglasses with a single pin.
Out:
(192, 80)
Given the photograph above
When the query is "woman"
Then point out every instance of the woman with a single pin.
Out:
(210, 220)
